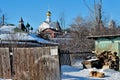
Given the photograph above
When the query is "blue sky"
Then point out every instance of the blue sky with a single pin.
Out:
(34, 11)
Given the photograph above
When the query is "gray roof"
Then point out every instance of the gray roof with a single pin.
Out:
(7, 34)
(103, 36)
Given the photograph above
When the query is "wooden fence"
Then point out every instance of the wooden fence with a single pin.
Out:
(30, 64)
(64, 57)
(68, 58)
(5, 68)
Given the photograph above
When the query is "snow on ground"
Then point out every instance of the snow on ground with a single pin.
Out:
(78, 73)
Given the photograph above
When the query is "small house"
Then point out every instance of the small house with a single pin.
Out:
(24, 56)
(50, 33)
(107, 43)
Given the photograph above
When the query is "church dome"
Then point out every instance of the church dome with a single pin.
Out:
(47, 23)
(48, 13)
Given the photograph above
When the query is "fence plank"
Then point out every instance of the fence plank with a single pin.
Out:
(5, 69)
(1, 70)
(35, 64)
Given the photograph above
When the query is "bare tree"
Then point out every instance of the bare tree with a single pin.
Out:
(97, 11)
(79, 33)
(97, 15)
(62, 20)
(80, 29)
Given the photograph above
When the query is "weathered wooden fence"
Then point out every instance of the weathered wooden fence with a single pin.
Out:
(5, 68)
(30, 64)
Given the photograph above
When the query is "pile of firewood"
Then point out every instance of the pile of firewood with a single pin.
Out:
(109, 60)
(106, 59)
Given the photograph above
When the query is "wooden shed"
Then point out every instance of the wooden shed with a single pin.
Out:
(29, 59)
(107, 43)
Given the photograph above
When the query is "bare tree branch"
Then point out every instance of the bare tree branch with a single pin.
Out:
(62, 20)
(88, 6)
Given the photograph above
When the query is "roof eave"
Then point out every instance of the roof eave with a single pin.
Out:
(103, 36)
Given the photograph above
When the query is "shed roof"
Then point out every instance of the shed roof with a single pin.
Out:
(24, 37)
(103, 36)
(7, 34)
(7, 29)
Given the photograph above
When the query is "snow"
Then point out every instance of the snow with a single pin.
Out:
(77, 63)
(24, 36)
(44, 25)
(78, 73)
(92, 59)
(7, 29)
(40, 40)
(7, 33)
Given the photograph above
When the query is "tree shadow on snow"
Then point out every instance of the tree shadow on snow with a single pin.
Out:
(70, 69)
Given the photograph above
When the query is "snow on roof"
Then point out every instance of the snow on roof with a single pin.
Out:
(7, 33)
(40, 40)
(24, 36)
(43, 26)
(7, 28)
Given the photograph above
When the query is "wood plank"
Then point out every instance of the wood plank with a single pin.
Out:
(1, 61)
(5, 70)
(7, 64)
(35, 64)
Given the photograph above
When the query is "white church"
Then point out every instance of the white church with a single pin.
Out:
(49, 29)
